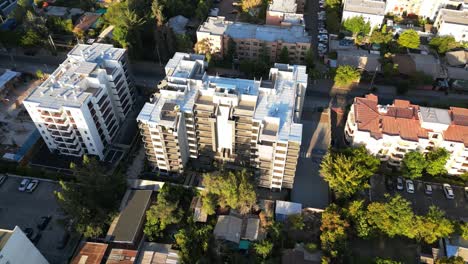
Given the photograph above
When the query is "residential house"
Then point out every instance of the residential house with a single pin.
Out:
(155, 253)
(284, 209)
(90, 253)
(285, 13)
(360, 59)
(122, 256)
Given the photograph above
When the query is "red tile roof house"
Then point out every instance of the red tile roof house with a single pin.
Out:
(391, 131)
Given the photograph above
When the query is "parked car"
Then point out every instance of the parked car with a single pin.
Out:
(428, 189)
(2, 179)
(24, 183)
(29, 232)
(448, 191)
(409, 186)
(32, 186)
(44, 222)
(63, 241)
(399, 183)
(323, 31)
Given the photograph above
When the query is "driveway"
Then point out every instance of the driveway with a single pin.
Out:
(26, 209)
(456, 209)
(309, 187)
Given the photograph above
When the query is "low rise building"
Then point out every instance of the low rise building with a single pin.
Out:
(254, 40)
(391, 131)
(155, 253)
(248, 122)
(79, 108)
(90, 253)
(373, 11)
(360, 59)
(16, 248)
(285, 13)
(284, 209)
(452, 23)
(122, 256)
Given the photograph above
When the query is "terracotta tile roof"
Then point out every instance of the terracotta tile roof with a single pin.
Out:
(459, 116)
(367, 116)
(90, 253)
(458, 130)
(122, 256)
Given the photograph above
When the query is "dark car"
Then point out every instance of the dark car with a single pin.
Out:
(35, 239)
(44, 222)
(29, 232)
(390, 185)
(63, 241)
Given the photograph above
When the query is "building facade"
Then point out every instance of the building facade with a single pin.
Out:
(6, 7)
(16, 248)
(391, 131)
(79, 108)
(251, 41)
(373, 11)
(452, 23)
(247, 122)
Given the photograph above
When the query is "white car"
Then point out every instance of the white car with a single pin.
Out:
(323, 31)
(32, 186)
(24, 183)
(448, 191)
(399, 183)
(409, 186)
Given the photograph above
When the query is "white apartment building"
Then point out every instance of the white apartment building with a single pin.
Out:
(373, 11)
(251, 40)
(79, 108)
(452, 23)
(205, 118)
(390, 131)
(16, 248)
(285, 13)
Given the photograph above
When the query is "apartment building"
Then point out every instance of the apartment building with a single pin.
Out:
(80, 107)
(6, 7)
(391, 131)
(452, 23)
(246, 122)
(285, 13)
(251, 40)
(373, 11)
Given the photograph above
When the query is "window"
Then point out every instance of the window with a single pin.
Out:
(88, 138)
(86, 132)
(91, 144)
(303, 47)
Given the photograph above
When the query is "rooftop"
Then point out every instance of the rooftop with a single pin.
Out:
(457, 58)
(90, 253)
(365, 6)
(287, 208)
(132, 217)
(269, 33)
(122, 256)
(409, 121)
(361, 59)
(228, 228)
(155, 253)
(72, 82)
(4, 237)
(285, 6)
(454, 16)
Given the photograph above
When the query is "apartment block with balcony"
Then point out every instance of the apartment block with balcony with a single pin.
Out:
(252, 123)
(79, 108)
(252, 40)
(391, 131)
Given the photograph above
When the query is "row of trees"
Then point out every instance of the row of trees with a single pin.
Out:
(391, 218)
(415, 163)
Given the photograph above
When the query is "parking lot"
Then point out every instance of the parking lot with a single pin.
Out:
(456, 209)
(26, 209)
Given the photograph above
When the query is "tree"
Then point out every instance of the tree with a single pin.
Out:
(433, 226)
(333, 229)
(93, 199)
(450, 260)
(296, 221)
(201, 12)
(333, 21)
(348, 171)
(284, 55)
(345, 75)
(193, 242)
(309, 60)
(393, 218)
(30, 39)
(414, 164)
(204, 47)
(444, 43)
(357, 213)
(357, 26)
(248, 5)
(386, 261)
(436, 160)
(184, 43)
(381, 36)
(164, 212)
(120, 35)
(263, 248)
(228, 188)
(409, 39)
(463, 230)
(39, 74)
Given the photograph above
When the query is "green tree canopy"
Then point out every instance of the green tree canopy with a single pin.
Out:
(333, 21)
(263, 248)
(451, 260)
(334, 226)
(357, 213)
(436, 160)
(349, 171)
(409, 39)
(346, 75)
(433, 226)
(414, 164)
(194, 242)
(381, 36)
(229, 188)
(296, 221)
(93, 199)
(444, 43)
(284, 55)
(357, 25)
(386, 261)
(164, 212)
(463, 230)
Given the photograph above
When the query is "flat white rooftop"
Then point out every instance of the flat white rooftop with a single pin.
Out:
(285, 6)
(373, 7)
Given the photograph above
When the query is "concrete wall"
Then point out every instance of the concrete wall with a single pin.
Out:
(20, 250)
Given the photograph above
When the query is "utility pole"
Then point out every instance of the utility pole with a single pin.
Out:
(373, 77)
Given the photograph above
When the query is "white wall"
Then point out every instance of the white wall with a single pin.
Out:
(374, 20)
(19, 250)
(459, 32)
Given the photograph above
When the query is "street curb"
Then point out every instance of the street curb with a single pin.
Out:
(32, 178)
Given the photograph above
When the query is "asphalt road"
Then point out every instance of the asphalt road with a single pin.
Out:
(310, 20)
